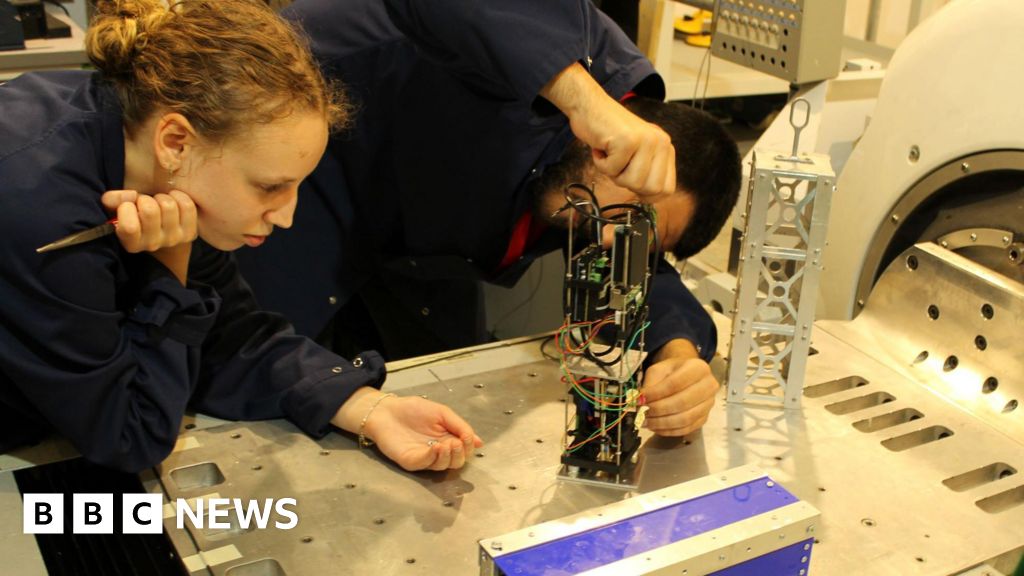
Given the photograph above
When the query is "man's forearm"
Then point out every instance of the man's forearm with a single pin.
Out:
(574, 91)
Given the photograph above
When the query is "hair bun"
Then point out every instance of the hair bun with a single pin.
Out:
(116, 31)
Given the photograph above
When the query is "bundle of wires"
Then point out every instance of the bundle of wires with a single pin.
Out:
(608, 402)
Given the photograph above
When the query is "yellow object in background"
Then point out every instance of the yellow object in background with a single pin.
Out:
(698, 23)
(699, 40)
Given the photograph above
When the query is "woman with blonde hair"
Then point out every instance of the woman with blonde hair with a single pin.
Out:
(190, 138)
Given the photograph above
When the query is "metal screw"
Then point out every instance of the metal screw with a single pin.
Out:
(769, 483)
(236, 436)
(974, 237)
(447, 503)
(532, 374)
(915, 154)
(425, 311)
(410, 560)
(336, 369)
(496, 545)
(325, 452)
(332, 300)
(257, 467)
(965, 167)
(478, 385)
(379, 521)
(895, 218)
(509, 412)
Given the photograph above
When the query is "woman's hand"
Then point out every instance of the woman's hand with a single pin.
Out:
(421, 435)
(162, 224)
(416, 433)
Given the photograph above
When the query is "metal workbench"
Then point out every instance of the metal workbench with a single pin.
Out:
(912, 464)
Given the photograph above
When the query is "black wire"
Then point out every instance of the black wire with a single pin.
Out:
(543, 344)
(572, 203)
(58, 5)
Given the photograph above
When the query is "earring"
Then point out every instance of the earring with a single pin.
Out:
(170, 178)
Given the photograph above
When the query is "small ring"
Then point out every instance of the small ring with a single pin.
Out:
(431, 442)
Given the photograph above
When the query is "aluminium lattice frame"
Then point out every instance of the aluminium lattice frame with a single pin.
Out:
(780, 263)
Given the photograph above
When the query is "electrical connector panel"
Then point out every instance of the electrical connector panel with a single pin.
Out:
(797, 40)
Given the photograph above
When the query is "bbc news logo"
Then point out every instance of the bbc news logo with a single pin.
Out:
(143, 513)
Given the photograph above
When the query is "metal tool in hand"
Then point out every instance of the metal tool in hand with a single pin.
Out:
(105, 229)
(797, 128)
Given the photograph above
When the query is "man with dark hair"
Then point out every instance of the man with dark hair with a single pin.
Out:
(472, 117)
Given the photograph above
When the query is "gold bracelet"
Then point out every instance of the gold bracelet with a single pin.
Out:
(365, 442)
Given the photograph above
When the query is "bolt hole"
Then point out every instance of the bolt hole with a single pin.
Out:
(410, 560)
(912, 262)
(189, 426)
(987, 311)
(921, 357)
(990, 385)
(512, 486)
(379, 521)
(868, 522)
(1010, 406)
(919, 559)
(933, 312)
(479, 454)
(821, 488)
(980, 342)
(951, 363)
(350, 486)
(307, 539)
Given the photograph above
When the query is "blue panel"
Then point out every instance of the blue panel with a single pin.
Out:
(650, 530)
(786, 561)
